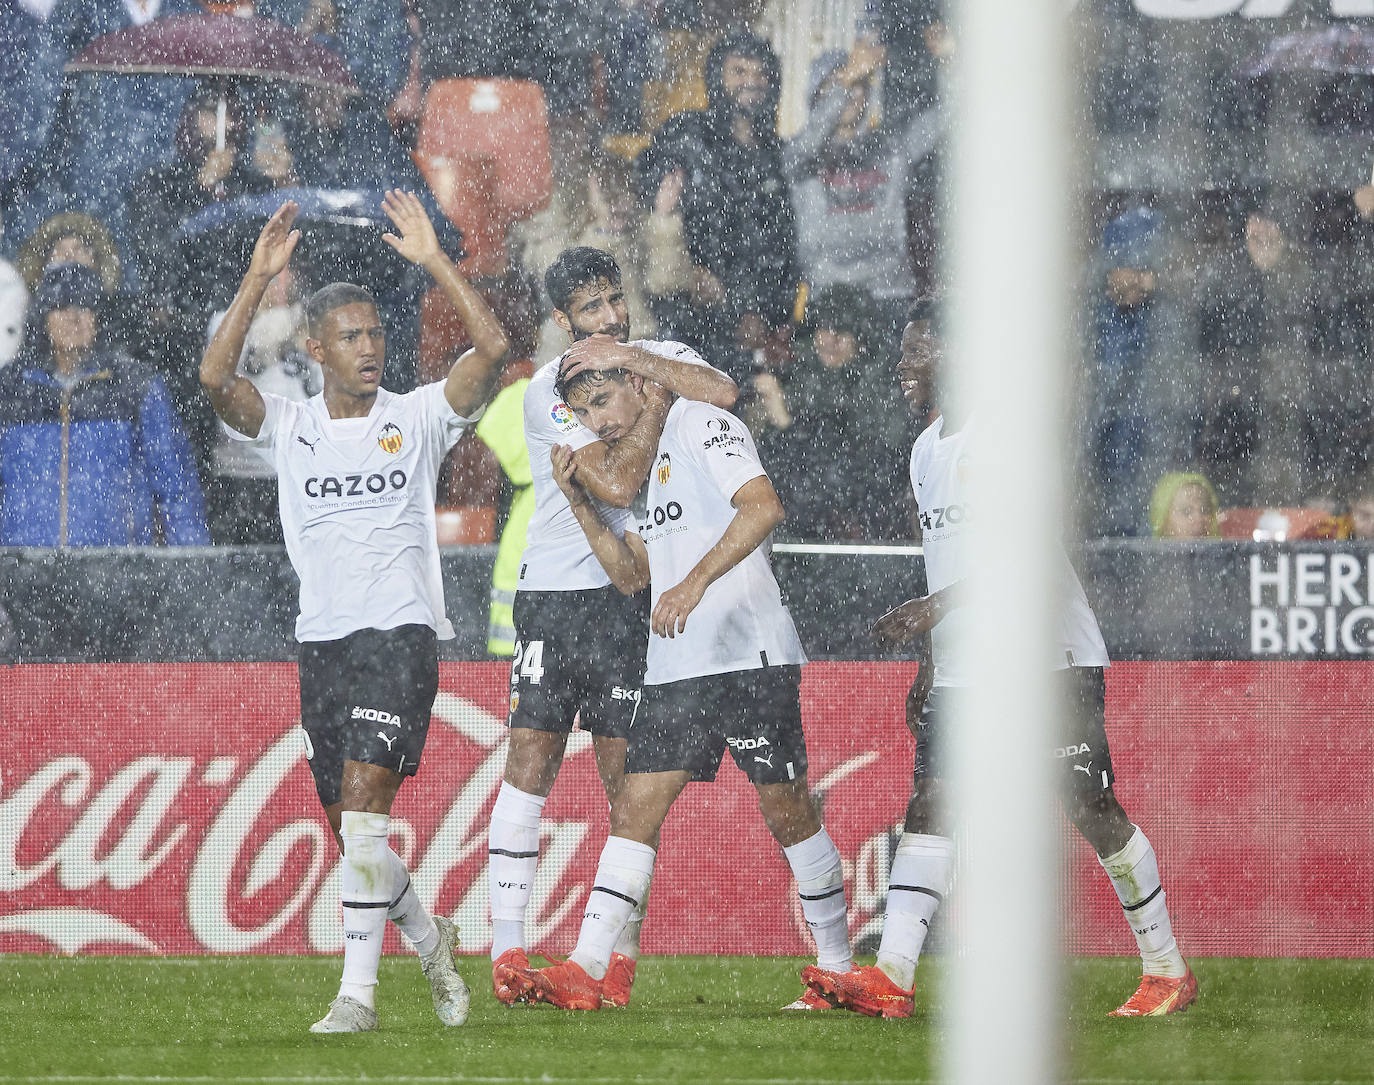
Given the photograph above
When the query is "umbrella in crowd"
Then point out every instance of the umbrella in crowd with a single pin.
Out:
(216, 45)
(1342, 49)
(221, 46)
(341, 235)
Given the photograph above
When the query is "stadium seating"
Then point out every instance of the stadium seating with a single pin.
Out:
(1275, 523)
(462, 525)
(483, 147)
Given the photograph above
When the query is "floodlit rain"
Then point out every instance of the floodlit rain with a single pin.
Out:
(245, 521)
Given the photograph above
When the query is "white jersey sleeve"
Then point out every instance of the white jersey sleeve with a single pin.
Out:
(726, 450)
(274, 408)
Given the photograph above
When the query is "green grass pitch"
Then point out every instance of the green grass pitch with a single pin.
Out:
(693, 1020)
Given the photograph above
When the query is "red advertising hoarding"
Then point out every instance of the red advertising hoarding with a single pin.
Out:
(168, 808)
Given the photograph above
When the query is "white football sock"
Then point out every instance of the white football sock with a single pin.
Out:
(621, 887)
(513, 855)
(628, 943)
(922, 870)
(407, 912)
(365, 888)
(816, 865)
(1134, 872)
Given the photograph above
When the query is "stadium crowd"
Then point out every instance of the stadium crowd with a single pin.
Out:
(789, 260)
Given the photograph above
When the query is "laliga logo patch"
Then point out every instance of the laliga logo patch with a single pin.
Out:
(514, 700)
(390, 438)
(562, 417)
(664, 469)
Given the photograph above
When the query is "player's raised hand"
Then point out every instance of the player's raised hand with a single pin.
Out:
(277, 241)
(565, 474)
(670, 612)
(417, 242)
(596, 353)
(911, 619)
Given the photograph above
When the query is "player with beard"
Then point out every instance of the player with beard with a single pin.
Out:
(579, 652)
(723, 670)
(356, 469)
(923, 865)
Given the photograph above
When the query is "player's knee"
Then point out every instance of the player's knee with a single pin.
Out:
(1101, 820)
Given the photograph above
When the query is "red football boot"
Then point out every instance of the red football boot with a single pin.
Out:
(1159, 995)
(866, 990)
(620, 977)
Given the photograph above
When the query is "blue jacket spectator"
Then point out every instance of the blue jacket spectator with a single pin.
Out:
(1124, 326)
(91, 451)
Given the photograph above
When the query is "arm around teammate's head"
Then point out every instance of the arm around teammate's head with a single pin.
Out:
(473, 380)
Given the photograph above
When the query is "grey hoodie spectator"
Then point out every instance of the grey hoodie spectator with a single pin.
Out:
(849, 182)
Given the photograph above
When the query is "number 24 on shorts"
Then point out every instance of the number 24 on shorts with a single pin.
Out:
(527, 662)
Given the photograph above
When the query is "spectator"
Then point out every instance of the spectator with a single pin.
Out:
(28, 87)
(242, 494)
(634, 55)
(14, 305)
(112, 127)
(849, 173)
(552, 42)
(70, 237)
(825, 411)
(202, 173)
(1184, 506)
(91, 451)
(1123, 330)
(372, 36)
(738, 224)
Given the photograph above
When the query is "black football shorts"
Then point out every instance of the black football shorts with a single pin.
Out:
(367, 697)
(1081, 751)
(578, 653)
(755, 714)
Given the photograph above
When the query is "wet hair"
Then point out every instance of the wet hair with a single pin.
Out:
(564, 388)
(932, 307)
(334, 296)
(575, 268)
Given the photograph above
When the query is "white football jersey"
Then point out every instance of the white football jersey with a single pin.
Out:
(357, 508)
(939, 474)
(557, 555)
(704, 457)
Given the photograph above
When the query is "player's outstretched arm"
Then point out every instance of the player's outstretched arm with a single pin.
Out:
(625, 560)
(758, 512)
(689, 380)
(614, 473)
(233, 397)
(474, 377)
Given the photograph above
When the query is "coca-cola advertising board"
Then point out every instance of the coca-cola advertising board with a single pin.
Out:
(168, 808)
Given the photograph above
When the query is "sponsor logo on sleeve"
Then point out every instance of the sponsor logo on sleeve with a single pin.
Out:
(562, 417)
(722, 437)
